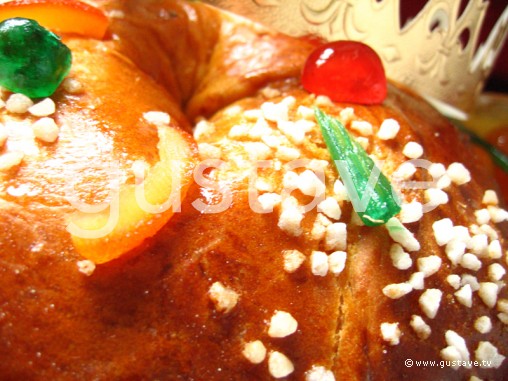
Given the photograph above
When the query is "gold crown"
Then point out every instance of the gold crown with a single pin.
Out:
(436, 53)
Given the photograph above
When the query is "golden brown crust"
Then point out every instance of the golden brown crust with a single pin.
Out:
(192, 51)
(150, 316)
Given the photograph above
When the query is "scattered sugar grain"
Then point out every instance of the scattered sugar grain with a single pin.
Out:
(400, 259)
(238, 131)
(18, 103)
(270, 92)
(450, 353)
(45, 107)
(319, 227)
(489, 231)
(397, 290)
(404, 171)
(339, 190)
(488, 293)
(330, 208)
(291, 217)
(391, 333)
(310, 185)
(157, 118)
(471, 280)
(346, 115)
(261, 128)
(319, 373)
(458, 173)
(455, 249)
(443, 182)
(224, 298)
(454, 281)
(471, 262)
(437, 170)
(496, 272)
(254, 351)
(318, 166)
(362, 127)
(479, 245)
(264, 185)
(388, 129)
(411, 212)
(337, 262)
(253, 114)
(488, 355)
(482, 216)
(336, 236)
(291, 131)
(323, 100)
(287, 153)
(282, 324)
(257, 151)
(465, 296)
(430, 301)
(429, 265)
(417, 280)
(319, 263)
(412, 150)
(305, 112)
(461, 233)
(364, 142)
(86, 267)
(46, 129)
(400, 234)
(490, 198)
(483, 324)
(503, 317)
(443, 231)
(497, 214)
(275, 112)
(203, 128)
(502, 305)
(421, 328)
(435, 196)
(72, 85)
(454, 340)
(209, 151)
(279, 365)
(273, 141)
(293, 259)
(11, 160)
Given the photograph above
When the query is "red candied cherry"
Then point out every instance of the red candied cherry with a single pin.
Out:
(345, 71)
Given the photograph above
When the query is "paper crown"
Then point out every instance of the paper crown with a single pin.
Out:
(436, 53)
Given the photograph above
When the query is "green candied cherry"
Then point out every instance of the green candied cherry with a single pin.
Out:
(33, 60)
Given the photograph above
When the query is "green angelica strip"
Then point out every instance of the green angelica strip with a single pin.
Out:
(33, 60)
(371, 193)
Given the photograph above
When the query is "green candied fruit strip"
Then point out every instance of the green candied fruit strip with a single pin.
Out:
(33, 60)
(371, 193)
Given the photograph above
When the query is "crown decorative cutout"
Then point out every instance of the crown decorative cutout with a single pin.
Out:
(436, 53)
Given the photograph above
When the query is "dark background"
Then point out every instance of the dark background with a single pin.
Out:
(498, 80)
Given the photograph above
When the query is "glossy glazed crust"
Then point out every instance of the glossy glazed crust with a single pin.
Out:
(149, 315)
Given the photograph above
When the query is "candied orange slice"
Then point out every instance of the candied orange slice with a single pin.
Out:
(138, 211)
(60, 16)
